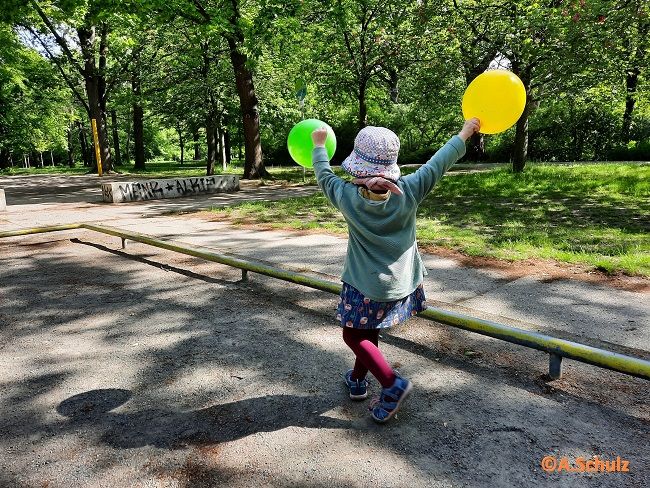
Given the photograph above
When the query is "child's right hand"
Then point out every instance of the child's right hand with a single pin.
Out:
(469, 128)
(319, 136)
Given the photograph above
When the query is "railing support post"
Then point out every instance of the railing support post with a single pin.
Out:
(244, 275)
(123, 243)
(554, 366)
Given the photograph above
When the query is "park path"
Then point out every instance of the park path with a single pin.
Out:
(139, 367)
(34, 201)
(589, 312)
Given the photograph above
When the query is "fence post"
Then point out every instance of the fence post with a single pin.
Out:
(554, 366)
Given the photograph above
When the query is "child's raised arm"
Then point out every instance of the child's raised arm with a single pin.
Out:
(425, 178)
(331, 184)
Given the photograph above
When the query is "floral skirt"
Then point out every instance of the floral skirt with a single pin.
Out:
(356, 311)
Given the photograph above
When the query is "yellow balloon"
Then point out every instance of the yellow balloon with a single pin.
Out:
(497, 98)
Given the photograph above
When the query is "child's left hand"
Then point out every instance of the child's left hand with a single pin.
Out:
(470, 127)
(319, 136)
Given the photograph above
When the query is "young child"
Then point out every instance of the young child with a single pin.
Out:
(383, 271)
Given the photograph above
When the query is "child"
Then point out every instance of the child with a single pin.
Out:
(383, 271)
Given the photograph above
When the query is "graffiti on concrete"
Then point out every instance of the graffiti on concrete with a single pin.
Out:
(171, 188)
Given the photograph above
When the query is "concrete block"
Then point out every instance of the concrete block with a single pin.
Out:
(3, 202)
(131, 191)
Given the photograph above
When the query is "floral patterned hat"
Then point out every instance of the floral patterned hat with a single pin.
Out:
(375, 154)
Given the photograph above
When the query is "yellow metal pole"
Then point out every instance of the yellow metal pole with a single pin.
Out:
(98, 152)
(39, 230)
(557, 348)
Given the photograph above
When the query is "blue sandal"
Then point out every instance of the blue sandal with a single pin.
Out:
(358, 388)
(390, 401)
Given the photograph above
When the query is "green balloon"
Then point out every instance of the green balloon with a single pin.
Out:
(300, 144)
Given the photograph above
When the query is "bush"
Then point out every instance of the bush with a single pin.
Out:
(632, 152)
(417, 156)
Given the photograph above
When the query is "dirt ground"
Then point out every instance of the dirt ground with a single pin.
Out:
(145, 368)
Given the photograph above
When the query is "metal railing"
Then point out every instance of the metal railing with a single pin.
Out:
(555, 347)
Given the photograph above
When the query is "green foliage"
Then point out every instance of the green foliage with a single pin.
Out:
(405, 63)
(34, 108)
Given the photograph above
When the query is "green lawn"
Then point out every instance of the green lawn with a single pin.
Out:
(46, 170)
(172, 169)
(593, 214)
(161, 169)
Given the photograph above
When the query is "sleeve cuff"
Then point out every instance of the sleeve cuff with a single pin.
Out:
(459, 145)
(319, 154)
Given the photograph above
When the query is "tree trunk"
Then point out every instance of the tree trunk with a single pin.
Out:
(83, 143)
(92, 82)
(5, 158)
(51, 158)
(212, 145)
(239, 143)
(631, 82)
(520, 150)
(226, 143)
(181, 143)
(127, 148)
(138, 124)
(476, 148)
(70, 146)
(636, 60)
(197, 146)
(116, 139)
(393, 85)
(222, 147)
(102, 95)
(254, 165)
(363, 108)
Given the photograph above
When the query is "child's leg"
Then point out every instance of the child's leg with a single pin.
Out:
(360, 371)
(364, 345)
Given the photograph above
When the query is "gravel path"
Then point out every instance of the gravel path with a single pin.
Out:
(143, 368)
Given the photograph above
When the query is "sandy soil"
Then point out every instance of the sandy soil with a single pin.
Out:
(142, 368)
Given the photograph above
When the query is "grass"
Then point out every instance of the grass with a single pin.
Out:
(596, 215)
(162, 169)
(46, 170)
(172, 169)
(593, 214)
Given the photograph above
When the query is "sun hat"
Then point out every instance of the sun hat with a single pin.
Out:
(375, 154)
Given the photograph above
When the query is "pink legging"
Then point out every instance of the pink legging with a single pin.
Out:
(364, 343)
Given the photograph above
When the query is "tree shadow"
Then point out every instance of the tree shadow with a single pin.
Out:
(176, 429)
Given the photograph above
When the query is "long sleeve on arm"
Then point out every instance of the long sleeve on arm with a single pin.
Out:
(331, 184)
(425, 178)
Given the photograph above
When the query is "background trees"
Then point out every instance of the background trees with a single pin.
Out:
(213, 79)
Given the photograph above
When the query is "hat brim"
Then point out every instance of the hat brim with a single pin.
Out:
(360, 168)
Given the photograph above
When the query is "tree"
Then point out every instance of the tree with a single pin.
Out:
(89, 61)
(375, 37)
(35, 106)
(225, 18)
(478, 35)
(546, 45)
(633, 29)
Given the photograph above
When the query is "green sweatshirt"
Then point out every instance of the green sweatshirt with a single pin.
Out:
(382, 260)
